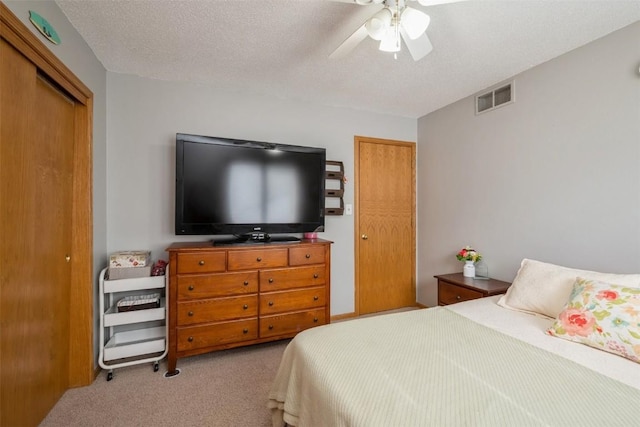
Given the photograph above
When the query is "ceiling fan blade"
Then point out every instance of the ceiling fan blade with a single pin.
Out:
(360, 2)
(419, 47)
(436, 2)
(350, 43)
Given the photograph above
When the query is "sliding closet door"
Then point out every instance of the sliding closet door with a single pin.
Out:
(36, 184)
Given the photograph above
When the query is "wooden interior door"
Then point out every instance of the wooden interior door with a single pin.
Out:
(46, 286)
(385, 224)
(38, 135)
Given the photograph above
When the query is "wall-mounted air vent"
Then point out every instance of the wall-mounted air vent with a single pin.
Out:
(494, 98)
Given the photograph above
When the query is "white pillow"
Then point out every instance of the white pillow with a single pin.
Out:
(544, 289)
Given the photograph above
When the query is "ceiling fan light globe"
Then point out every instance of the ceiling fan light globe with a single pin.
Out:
(379, 23)
(391, 41)
(414, 22)
(365, 2)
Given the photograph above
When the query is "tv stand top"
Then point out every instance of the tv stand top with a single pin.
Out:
(206, 245)
(255, 239)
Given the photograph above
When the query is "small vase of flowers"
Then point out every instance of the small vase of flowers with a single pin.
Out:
(470, 256)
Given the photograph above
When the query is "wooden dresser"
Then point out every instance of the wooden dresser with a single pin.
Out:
(230, 296)
(453, 288)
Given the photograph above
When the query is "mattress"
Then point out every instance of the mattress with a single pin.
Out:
(473, 363)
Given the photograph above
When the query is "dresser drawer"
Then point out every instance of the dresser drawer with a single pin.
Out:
(201, 262)
(291, 323)
(279, 302)
(257, 258)
(194, 337)
(213, 285)
(217, 309)
(306, 255)
(288, 278)
(451, 294)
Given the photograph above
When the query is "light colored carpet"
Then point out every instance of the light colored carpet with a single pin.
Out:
(224, 388)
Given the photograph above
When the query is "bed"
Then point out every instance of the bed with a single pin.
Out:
(476, 363)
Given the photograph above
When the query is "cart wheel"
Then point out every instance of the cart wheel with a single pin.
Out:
(109, 375)
(156, 366)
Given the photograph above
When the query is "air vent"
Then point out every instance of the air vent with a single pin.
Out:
(498, 97)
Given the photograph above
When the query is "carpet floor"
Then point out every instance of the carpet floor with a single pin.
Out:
(224, 388)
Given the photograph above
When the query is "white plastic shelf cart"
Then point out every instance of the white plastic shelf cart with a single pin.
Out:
(132, 337)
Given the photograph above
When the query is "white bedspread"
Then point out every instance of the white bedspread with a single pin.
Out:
(435, 367)
(530, 328)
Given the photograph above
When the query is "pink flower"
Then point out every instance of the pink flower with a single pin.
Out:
(608, 294)
(577, 322)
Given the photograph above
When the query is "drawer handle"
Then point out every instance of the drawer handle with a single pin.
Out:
(259, 259)
(245, 306)
(245, 331)
(307, 256)
(190, 287)
(315, 276)
(246, 283)
(315, 298)
(270, 303)
(270, 326)
(190, 339)
(458, 297)
(315, 320)
(270, 280)
(190, 314)
(201, 262)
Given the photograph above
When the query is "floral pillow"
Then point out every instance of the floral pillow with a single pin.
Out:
(602, 315)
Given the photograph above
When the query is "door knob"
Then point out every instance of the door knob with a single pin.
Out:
(364, 237)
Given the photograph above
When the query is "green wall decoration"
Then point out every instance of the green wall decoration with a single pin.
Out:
(44, 27)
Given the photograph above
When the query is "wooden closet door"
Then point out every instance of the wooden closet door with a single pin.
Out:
(385, 225)
(36, 182)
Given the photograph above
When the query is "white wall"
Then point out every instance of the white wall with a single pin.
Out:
(143, 118)
(79, 58)
(554, 176)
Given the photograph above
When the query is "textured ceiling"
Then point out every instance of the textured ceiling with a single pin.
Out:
(280, 48)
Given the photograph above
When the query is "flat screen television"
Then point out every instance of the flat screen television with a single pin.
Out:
(248, 191)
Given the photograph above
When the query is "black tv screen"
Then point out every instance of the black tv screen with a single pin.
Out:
(245, 188)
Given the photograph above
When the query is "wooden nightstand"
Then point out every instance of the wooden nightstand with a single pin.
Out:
(453, 288)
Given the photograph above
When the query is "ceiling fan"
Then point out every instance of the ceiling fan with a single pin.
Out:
(392, 25)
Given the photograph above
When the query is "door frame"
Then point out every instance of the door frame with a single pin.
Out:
(81, 360)
(357, 140)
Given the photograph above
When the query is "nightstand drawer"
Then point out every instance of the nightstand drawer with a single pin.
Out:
(453, 288)
(451, 294)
